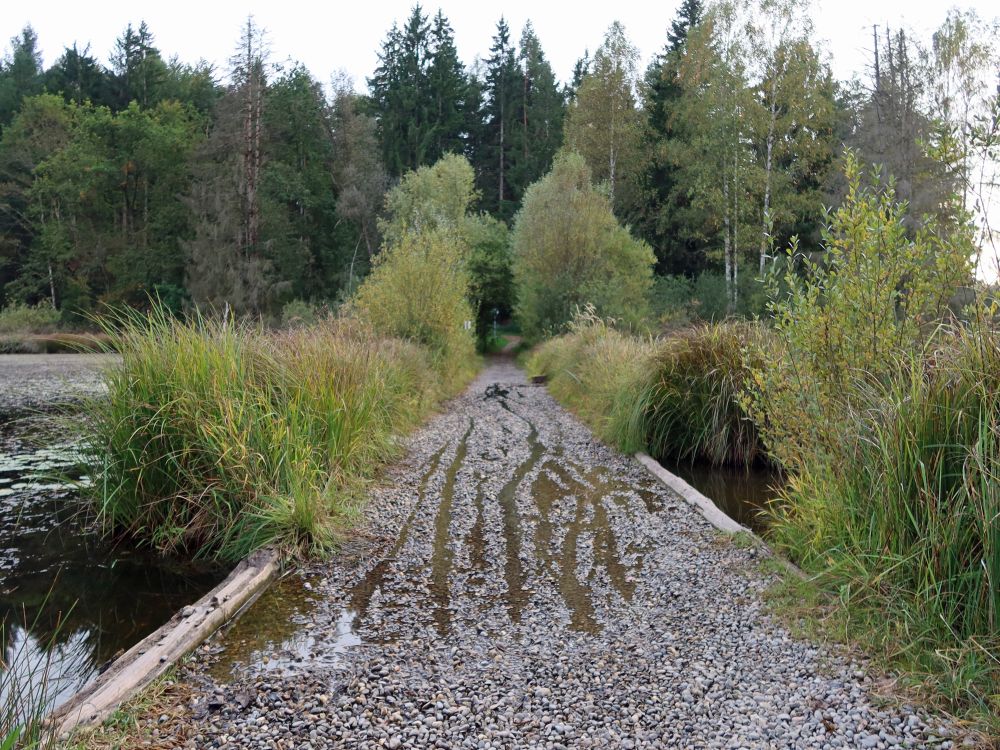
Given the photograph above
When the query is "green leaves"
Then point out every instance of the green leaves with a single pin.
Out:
(420, 94)
(604, 124)
(569, 251)
(435, 197)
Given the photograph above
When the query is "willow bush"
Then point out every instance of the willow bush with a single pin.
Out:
(884, 413)
(419, 291)
(877, 293)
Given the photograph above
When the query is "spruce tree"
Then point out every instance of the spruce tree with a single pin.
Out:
(20, 74)
(399, 92)
(139, 70)
(540, 113)
(79, 77)
(448, 89)
(500, 118)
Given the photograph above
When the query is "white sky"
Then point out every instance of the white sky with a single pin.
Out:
(332, 36)
(329, 36)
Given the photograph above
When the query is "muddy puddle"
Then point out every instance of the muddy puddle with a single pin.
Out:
(69, 602)
(274, 633)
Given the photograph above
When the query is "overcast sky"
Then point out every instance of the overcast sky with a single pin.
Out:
(330, 36)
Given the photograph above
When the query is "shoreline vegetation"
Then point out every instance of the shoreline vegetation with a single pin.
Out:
(877, 398)
(217, 438)
(39, 329)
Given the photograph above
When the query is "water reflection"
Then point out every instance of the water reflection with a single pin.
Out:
(270, 634)
(37, 665)
(69, 603)
(742, 494)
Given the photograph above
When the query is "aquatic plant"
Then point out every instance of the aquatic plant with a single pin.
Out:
(692, 403)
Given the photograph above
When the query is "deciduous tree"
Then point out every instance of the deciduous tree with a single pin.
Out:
(570, 251)
(603, 123)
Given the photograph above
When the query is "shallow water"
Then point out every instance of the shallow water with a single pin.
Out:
(69, 602)
(269, 634)
(742, 494)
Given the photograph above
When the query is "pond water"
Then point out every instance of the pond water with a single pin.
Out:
(742, 494)
(69, 602)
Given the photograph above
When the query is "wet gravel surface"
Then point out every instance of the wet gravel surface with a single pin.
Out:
(523, 586)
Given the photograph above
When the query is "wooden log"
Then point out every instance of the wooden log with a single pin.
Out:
(138, 667)
(704, 505)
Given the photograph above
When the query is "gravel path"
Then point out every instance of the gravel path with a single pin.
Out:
(522, 585)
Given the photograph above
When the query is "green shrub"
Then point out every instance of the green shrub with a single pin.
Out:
(217, 438)
(710, 302)
(672, 301)
(27, 319)
(298, 313)
(569, 251)
(887, 422)
(432, 197)
(875, 297)
(419, 290)
(492, 282)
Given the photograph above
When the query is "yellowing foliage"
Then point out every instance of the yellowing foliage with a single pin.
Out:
(419, 290)
(569, 251)
(876, 296)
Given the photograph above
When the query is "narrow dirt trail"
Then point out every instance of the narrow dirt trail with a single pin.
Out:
(523, 585)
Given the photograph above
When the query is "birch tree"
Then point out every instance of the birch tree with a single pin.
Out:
(963, 70)
(797, 111)
(604, 123)
(711, 151)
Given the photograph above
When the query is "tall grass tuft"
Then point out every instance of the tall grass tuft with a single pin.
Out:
(912, 529)
(597, 371)
(678, 396)
(217, 438)
(692, 404)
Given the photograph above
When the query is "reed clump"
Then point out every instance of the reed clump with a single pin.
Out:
(902, 522)
(678, 396)
(218, 437)
(692, 403)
